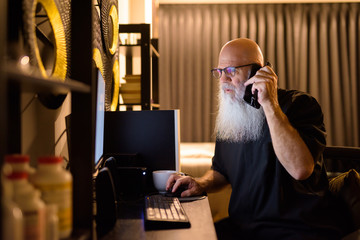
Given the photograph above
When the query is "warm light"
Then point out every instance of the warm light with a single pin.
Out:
(136, 108)
(123, 12)
(25, 60)
(148, 14)
(121, 100)
(148, 11)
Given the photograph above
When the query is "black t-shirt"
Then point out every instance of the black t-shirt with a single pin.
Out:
(264, 195)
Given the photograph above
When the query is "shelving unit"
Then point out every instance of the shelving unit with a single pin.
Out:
(146, 49)
(18, 81)
(14, 81)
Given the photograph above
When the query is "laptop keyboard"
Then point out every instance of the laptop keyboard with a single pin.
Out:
(164, 213)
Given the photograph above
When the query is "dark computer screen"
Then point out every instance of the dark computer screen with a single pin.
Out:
(143, 138)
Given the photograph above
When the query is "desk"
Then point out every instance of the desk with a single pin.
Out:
(130, 225)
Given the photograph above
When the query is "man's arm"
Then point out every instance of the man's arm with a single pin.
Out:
(212, 181)
(289, 147)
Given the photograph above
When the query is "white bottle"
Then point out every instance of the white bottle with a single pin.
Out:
(12, 218)
(19, 163)
(20, 183)
(52, 222)
(32, 207)
(55, 184)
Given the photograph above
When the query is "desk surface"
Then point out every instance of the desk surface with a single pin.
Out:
(131, 224)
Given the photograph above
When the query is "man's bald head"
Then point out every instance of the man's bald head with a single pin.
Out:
(240, 51)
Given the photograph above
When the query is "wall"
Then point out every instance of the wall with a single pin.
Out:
(43, 127)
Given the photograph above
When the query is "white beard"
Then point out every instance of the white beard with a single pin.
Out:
(236, 120)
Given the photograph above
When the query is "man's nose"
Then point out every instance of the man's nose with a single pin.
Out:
(225, 78)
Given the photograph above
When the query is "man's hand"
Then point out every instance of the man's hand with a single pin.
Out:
(212, 181)
(265, 82)
(190, 184)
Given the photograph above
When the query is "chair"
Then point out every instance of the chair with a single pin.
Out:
(340, 159)
(344, 182)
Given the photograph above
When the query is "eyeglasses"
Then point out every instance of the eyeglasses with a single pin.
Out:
(229, 71)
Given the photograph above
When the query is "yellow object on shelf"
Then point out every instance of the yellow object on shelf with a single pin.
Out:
(132, 78)
(131, 90)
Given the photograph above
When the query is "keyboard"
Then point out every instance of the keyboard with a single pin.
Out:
(164, 213)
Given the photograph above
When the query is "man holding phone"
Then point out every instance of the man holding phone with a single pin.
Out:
(269, 145)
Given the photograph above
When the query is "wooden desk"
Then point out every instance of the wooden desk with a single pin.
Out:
(130, 226)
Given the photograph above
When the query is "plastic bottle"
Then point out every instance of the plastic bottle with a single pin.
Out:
(32, 207)
(20, 183)
(19, 163)
(52, 222)
(12, 218)
(55, 184)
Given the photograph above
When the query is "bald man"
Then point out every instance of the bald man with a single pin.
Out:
(271, 156)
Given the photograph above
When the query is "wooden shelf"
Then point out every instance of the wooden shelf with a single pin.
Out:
(155, 105)
(130, 45)
(131, 50)
(132, 104)
(34, 82)
(145, 49)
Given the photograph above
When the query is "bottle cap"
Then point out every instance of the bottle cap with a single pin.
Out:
(17, 175)
(17, 158)
(50, 159)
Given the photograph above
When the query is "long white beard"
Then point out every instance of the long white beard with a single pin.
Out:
(236, 120)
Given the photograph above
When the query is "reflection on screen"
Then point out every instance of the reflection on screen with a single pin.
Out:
(100, 113)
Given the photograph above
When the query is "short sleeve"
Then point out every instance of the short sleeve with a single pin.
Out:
(306, 116)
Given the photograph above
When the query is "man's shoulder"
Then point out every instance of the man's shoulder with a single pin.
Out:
(292, 93)
(296, 98)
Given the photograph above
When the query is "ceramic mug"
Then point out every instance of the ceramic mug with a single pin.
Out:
(160, 178)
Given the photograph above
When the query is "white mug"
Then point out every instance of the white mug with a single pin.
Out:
(160, 178)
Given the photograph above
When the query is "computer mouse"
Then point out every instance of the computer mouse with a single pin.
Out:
(177, 193)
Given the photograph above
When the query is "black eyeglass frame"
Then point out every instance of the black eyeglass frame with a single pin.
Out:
(224, 70)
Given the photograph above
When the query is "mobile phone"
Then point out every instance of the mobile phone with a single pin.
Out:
(249, 97)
